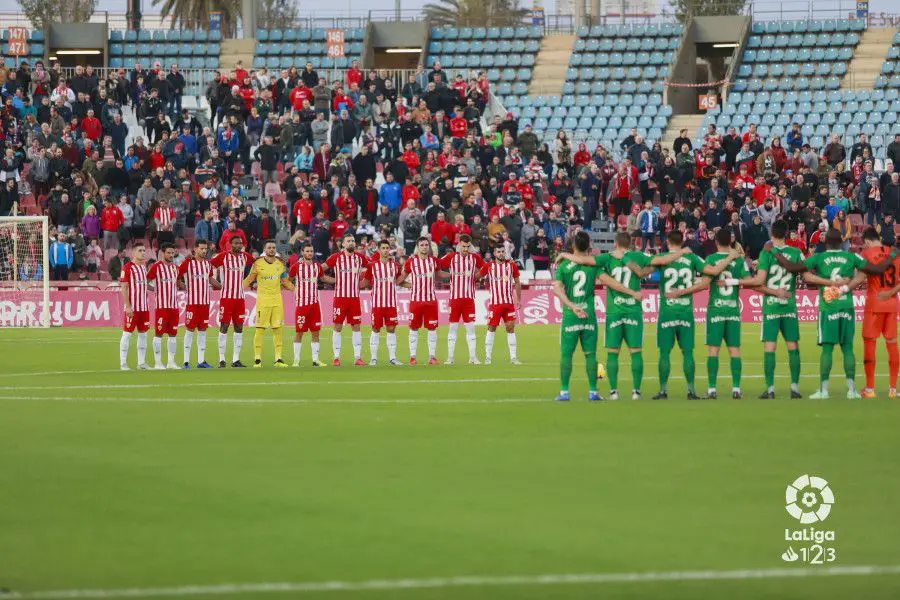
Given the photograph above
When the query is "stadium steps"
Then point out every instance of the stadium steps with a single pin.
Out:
(550, 65)
(234, 50)
(678, 122)
(868, 58)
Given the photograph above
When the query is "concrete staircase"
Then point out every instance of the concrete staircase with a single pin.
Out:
(678, 122)
(550, 66)
(234, 50)
(868, 59)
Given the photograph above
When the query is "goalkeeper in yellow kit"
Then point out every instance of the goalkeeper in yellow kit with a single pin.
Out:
(270, 275)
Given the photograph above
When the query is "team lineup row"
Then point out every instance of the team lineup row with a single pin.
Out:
(683, 274)
(350, 272)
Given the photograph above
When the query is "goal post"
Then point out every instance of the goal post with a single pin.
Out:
(24, 272)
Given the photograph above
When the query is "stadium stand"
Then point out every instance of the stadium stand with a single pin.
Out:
(281, 49)
(890, 70)
(190, 49)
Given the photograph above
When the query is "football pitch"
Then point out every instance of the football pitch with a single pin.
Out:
(431, 482)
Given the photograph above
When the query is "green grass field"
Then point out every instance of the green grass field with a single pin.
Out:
(428, 482)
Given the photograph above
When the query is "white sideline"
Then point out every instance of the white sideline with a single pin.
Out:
(160, 400)
(458, 582)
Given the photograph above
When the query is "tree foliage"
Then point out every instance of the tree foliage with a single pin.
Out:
(685, 9)
(194, 14)
(475, 13)
(272, 14)
(43, 12)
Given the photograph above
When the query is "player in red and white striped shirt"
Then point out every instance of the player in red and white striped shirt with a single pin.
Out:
(306, 274)
(381, 276)
(506, 297)
(462, 265)
(422, 269)
(233, 265)
(165, 273)
(137, 311)
(347, 266)
(195, 275)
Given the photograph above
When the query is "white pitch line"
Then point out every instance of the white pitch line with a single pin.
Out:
(255, 384)
(235, 589)
(429, 401)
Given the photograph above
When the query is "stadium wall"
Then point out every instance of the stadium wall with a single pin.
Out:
(83, 308)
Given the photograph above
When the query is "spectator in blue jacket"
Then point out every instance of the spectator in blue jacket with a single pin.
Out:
(61, 258)
(648, 222)
(228, 144)
(390, 194)
(555, 226)
(118, 131)
(794, 138)
(209, 230)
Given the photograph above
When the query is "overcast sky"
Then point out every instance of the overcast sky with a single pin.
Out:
(334, 7)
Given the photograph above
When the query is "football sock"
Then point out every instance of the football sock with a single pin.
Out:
(849, 362)
(489, 345)
(315, 350)
(123, 347)
(413, 342)
(142, 348)
(279, 342)
(665, 368)
(223, 340)
(392, 345)
(237, 341)
(893, 363)
(612, 369)
(511, 342)
(451, 340)
(565, 371)
(794, 363)
(297, 347)
(258, 337)
(373, 345)
(471, 339)
(432, 343)
(769, 369)
(712, 370)
(690, 369)
(157, 350)
(825, 359)
(186, 345)
(637, 369)
(736, 365)
(356, 338)
(172, 346)
(590, 366)
(336, 344)
(869, 362)
(201, 346)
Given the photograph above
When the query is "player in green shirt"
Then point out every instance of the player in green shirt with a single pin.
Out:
(624, 315)
(836, 272)
(779, 315)
(678, 282)
(574, 286)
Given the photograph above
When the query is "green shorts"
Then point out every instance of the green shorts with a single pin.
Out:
(674, 328)
(787, 325)
(624, 327)
(575, 331)
(837, 327)
(723, 329)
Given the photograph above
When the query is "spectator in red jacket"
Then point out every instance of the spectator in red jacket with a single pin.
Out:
(339, 99)
(441, 229)
(354, 75)
(231, 232)
(111, 218)
(91, 126)
(303, 211)
(411, 158)
(346, 205)
(460, 228)
(338, 227)
(298, 95)
(409, 192)
(459, 127)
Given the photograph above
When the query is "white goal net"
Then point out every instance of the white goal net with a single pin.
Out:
(24, 272)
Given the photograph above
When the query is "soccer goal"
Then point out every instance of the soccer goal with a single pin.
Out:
(24, 272)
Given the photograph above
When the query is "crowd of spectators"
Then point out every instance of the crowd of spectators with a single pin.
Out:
(290, 153)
